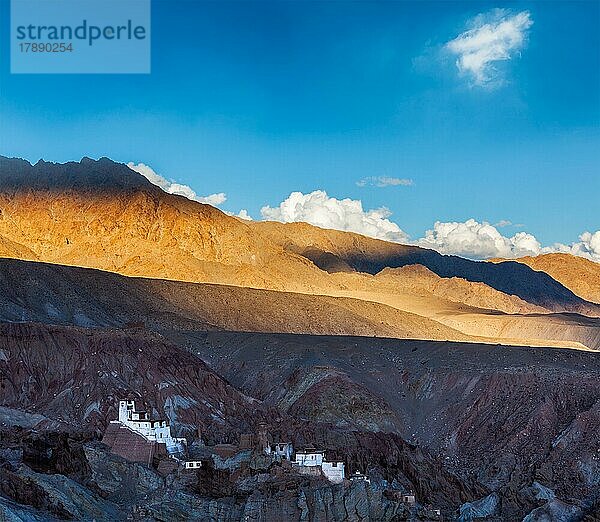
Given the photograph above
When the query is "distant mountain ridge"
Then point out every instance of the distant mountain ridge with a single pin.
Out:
(101, 214)
(336, 251)
(580, 275)
(102, 174)
(115, 219)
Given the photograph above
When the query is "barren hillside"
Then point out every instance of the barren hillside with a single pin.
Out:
(484, 408)
(101, 214)
(32, 291)
(580, 275)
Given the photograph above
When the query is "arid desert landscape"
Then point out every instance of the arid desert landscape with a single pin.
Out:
(445, 388)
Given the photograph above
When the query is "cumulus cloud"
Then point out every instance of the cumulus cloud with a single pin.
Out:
(384, 181)
(212, 199)
(588, 246)
(317, 208)
(491, 37)
(242, 214)
(478, 240)
(176, 188)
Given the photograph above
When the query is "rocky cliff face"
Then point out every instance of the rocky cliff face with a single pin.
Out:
(113, 489)
(65, 477)
(74, 377)
(510, 415)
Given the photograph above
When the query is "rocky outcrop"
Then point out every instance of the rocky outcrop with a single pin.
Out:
(77, 376)
(115, 489)
(55, 494)
(334, 399)
(480, 509)
(510, 415)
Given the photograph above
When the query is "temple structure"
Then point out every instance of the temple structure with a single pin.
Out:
(153, 430)
(138, 438)
(312, 462)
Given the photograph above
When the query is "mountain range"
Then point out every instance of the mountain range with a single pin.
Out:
(463, 380)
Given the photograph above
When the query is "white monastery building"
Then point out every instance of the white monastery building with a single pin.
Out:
(193, 464)
(313, 459)
(334, 471)
(281, 450)
(309, 457)
(152, 430)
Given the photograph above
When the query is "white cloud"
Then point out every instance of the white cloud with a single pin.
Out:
(317, 208)
(503, 223)
(213, 199)
(471, 239)
(176, 188)
(384, 181)
(492, 37)
(588, 246)
(242, 214)
(478, 240)
(483, 241)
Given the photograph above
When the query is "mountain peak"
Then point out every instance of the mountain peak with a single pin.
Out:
(102, 174)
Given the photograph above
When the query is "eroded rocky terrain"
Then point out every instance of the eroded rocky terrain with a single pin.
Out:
(431, 415)
(66, 381)
(474, 385)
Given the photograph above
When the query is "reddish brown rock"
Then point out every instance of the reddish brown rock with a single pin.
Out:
(130, 445)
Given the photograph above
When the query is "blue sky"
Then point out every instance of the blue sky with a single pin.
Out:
(261, 99)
